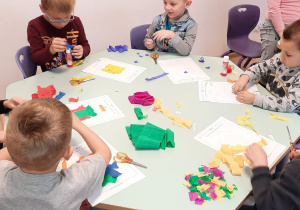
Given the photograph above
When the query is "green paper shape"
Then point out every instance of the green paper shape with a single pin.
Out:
(163, 143)
(204, 196)
(108, 179)
(135, 132)
(87, 112)
(193, 180)
(170, 138)
(128, 129)
(201, 169)
(194, 189)
(139, 113)
(205, 178)
(145, 116)
(151, 137)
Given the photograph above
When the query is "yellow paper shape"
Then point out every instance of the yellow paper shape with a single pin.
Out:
(225, 148)
(262, 142)
(279, 117)
(113, 69)
(203, 187)
(236, 170)
(76, 63)
(240, 160)
(192, 173)
(204, 204)
(214, 163)
(230, 187)
(81, 90)
(178, 104)
(249, 162)
(82, 78)
(236, 149)
(157, 103)
(219, 193)
(186, 183)
(64, 164)
(243, 120)
(218, 182)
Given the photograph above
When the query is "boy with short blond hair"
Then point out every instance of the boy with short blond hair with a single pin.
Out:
(48, 34)
(37, 137)
(173, 31)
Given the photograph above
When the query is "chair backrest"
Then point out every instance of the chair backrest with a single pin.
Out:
(25, 63)
(137, 36)
(242, 19)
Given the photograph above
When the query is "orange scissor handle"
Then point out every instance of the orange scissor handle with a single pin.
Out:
(154, 56)
(122, 158)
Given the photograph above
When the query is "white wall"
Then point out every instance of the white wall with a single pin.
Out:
(109, 23)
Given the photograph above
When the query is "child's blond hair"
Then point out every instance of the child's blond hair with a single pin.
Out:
(292, 33)
(38, 133)
(64, 6)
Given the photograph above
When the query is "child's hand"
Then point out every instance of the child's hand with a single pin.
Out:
(150, 44)
(294, 153)
(14, 102)
(164, 34)
(241, 84)
(257, 155)
(245, 97)
(58, 45)
(2, 136)
(76, 122)
(77, 51)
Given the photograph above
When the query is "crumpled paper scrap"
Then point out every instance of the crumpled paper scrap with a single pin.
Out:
(143, 98)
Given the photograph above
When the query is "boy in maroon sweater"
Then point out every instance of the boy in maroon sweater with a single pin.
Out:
(48, 34)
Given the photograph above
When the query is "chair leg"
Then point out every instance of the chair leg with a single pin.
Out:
(240, 61)
(226, 53)
(247, 62)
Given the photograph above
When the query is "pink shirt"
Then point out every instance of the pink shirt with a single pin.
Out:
(282, 12)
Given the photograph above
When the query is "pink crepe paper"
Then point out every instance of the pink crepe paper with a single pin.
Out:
(193, 195)
(212, 186)
(199, 201)
(202, 182)
(143, 98)
(207, 169)
(188, 177)
(213, 195)
(218, 172)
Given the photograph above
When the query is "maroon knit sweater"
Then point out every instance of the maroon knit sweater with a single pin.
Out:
(40, 34)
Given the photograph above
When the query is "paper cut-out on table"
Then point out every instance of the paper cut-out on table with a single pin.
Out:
(135, 61)
(87, 112)
(279, 117)
(207, 67)
(224, 132)
(46, 92)
(176, 120)
(102, 108)
(177, 67)
(231, 81)
(111, 175)
(143, 98)
(244, 120)
(83, 78)
(150, 136)
(112, 111)
(113, 69)
(60, 95)
(146, 54)
(111, 48)
(154, 57)
(122, 157)
(230, 156)
(77, 63)
(128, 74)
(139, 113)
(221, 92)
(157, 77)
(78, 82)
(119, 48)
(201, 60)
(80, 90)
(178, 104)
(208, 185)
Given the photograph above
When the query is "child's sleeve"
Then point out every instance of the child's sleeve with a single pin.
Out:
(280, 193)
(82, 40)
(281, 104)
(184, 46)
(39, 55)
(150, 32)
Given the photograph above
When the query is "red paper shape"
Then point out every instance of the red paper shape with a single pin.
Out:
(35, 95)
(143, 98)
(84, 118)
(46, 92)
(73, 99)
(78, 109)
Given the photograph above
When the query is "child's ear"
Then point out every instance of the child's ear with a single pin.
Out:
(42, 8)
(68, 153)
(188, 4)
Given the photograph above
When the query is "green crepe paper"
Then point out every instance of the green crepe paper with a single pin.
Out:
(164, 143)
(170, 138)
(108, 179)
(194, 189)
(204, 196)
(139, 113)
(87, 112)
(194, 180)
(134, 131)
(201, 169)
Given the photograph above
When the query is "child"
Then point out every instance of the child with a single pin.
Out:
(173, 31)
(48, 34)
(283, 71)
(280, 193)
(37, 137)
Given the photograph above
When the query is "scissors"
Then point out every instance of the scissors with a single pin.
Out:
(123, 158)
(291, 143)
(154, 56)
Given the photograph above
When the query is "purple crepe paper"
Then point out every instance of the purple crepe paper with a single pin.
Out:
(199, 201)
(157, 77)
(108, 50)
(201, 60)
(186, 72)
(208, 67)
(146, 54)
(188, 177)
(112, 49)
(213, 195)
(193, 196)
(135, 61)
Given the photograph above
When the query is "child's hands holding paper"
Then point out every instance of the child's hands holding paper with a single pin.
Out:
(77, 52)
(241, 84)
(257, 155)
(164, 34)
(150, 44)
(58, 45)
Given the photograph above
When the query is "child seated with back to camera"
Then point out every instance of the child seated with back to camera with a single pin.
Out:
(173, 31)
(37, 137)
(283, 71)
(48, 34)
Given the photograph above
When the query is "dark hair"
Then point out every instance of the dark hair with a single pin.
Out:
(292, 33)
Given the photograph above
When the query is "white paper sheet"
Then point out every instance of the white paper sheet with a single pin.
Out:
(224, 131)
(127, 75)
(112, 111)
(183, 70)
(221, 92)
(130, 174)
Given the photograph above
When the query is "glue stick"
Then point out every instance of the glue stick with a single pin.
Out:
(69, 58)
(225, 66)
